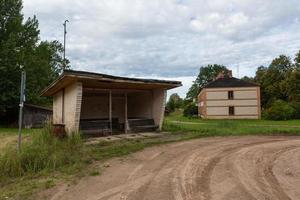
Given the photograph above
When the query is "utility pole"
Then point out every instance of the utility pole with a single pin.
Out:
(65, 34)
(21, 105)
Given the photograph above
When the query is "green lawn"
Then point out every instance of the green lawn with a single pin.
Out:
(176, 123)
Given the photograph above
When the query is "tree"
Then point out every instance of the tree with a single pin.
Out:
(280, 83)
(272, 80)
(280, 110)
(293, 86)
(20, 46)
(282, 64)
(207, 74)
(297, 60)
(174, 102)
(190, 110)
(248, 79)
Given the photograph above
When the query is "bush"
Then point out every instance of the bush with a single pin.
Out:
(190, 110)
(280, 110)
(43, 151)
(296, 106)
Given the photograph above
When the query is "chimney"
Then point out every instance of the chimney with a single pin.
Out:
(220, 75)
(229, 74)
(223, 75)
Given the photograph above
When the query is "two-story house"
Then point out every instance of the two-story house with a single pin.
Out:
(229, 98)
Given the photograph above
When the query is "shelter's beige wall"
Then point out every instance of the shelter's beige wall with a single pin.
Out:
(72, 106)
(97, 107)
(139, 105)
(118, 108)
(57, 108)
(94, 107)
(159, 100)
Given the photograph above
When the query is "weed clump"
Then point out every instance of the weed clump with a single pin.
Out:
(43, 151)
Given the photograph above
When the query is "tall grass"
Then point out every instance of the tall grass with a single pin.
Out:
(42, 151)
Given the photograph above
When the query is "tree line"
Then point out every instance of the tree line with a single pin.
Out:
(21, 46)
(279, 83)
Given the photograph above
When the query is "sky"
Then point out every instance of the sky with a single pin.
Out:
(170, 39)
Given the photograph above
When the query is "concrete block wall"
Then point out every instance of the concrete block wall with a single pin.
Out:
(158, 109)
(67, 107)
(72, 109)
(57, 108)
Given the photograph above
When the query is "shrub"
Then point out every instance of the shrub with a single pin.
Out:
(42, 152)
(174, 102)
(280, 110)
(190, 110)
(296, 106)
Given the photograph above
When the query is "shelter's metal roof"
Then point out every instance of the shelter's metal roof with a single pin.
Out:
(97, 80)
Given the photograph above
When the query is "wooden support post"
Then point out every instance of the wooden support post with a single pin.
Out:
(110, 111)
(126, 116)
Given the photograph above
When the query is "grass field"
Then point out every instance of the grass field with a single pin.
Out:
(46, 161)
(196, 127)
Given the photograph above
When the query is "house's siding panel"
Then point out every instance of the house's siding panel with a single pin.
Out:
(232, 103)
(233, 117)
(231, 88)
(217, 111)
(216, 95)
(246, 103)
(246, 110)
(245, 94)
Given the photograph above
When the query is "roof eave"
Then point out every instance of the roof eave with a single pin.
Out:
(165, 84)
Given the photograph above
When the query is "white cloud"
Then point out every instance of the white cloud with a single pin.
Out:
(170, 38)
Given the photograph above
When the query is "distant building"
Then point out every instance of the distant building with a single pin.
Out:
(101, 104)
(229, 98)
(35, 116)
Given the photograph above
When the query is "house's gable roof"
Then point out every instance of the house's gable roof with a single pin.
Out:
(229, 82)
(109, 81)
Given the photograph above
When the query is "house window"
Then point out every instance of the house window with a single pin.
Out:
(231, 110)
(230, 94)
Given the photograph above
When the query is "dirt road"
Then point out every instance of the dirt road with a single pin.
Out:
(212, 168)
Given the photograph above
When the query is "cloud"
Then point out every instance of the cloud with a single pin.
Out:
(170, 38)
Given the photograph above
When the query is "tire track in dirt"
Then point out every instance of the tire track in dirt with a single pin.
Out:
(204, 180)
(262, 182)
